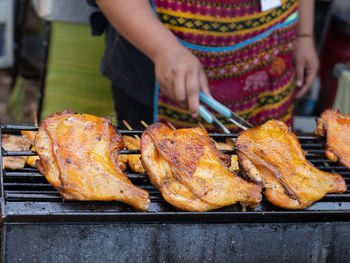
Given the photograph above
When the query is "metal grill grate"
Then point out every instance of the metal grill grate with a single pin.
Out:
(27, 196)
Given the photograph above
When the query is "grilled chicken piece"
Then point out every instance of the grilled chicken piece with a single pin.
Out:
(188, 170)
(15, 143)
(221, 146)
(270, 154)
(31, 161)
(336, 127)
(79, 157)
(123, 161)
(134, 159)
(30, 135)
(233, 167)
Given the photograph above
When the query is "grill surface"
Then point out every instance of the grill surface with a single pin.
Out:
(26, 196)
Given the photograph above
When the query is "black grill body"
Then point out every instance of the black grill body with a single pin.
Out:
(39, 226)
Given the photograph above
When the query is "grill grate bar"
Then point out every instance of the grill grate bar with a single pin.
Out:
(54, 197)
(311, 152)
(18, 153)
(133, 176)
(33, 153)
(7, 128)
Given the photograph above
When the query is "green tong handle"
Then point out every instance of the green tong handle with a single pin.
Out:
(205, 114)
(215, 105)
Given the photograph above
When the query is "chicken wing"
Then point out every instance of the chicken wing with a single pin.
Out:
(336, 127)
(188, 170)
(79, 157)
(134, 161)
(270, 154)
(15, 143)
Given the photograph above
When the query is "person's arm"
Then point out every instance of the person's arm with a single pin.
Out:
(179, 73)
(305, 56)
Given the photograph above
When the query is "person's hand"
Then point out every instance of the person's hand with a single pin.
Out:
(306, 64)
(180, 77)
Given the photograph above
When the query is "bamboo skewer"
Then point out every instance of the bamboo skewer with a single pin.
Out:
(171, 125)
(130, 129)
(202, 126)
(35, 116)
(144, 124)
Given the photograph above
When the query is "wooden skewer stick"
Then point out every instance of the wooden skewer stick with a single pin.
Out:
(35, 116)
(171, 125)
(130, 129)
(202, 126)
(144, 124)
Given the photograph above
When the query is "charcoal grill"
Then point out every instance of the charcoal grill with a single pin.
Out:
(31, 206)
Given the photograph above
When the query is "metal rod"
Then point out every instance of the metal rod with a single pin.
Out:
(127, 125)
(238, 124)
(223, 135)
(1, 174)
(17, 153)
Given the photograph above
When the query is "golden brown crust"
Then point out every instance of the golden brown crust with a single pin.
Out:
(134, 161)
(188, 170)
(31, 160)
(270, 154)
(79, 157)
(336, 126)
(123, 161)
(15, 143)
(30, 135)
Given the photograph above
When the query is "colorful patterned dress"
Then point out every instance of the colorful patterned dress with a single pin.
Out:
(246, 54)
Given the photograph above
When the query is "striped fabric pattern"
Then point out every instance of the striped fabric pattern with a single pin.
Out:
(256, 80)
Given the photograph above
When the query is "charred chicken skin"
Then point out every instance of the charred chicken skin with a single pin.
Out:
(270, 154)
(189, 171)
(79, 157)
(336, 127)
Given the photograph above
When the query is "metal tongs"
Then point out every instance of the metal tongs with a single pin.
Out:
(222, 109)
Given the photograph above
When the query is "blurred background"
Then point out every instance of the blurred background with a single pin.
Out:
(46, 49)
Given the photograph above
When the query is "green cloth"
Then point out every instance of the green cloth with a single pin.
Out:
(15, 106)
(73, 76)
(342, 99)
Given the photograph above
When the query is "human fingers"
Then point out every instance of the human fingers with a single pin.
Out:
(204, 85)
(302, 91)
(310, 74)
(179, 92)
(164, 82)
(192, 92)
(311, 68)
(299, 71)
